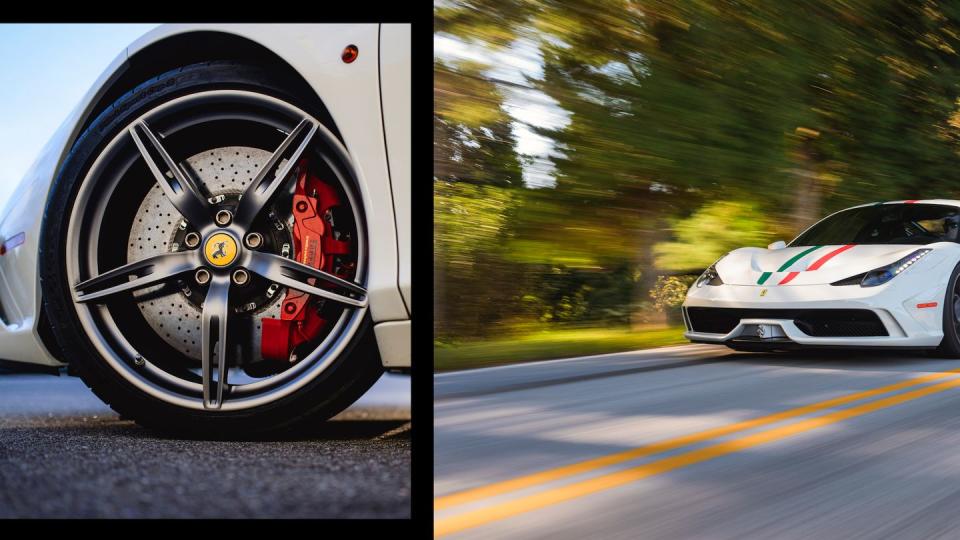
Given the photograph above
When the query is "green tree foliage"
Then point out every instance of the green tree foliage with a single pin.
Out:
(472, 139)
(714, 229)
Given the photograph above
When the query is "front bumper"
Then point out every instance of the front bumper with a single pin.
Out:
(393, 340)
(895, 304)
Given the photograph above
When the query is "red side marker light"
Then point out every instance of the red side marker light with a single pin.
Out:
(350, 53)
(927, 304)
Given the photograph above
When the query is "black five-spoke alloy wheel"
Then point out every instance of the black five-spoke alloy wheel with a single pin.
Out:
(182, 249)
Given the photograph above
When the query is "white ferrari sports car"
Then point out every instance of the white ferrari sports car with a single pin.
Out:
(217, 239)
(875, 275)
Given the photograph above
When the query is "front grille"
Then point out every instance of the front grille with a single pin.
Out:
(813, 322)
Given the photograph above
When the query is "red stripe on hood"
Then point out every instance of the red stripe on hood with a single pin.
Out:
(820, 262)
(789, 278)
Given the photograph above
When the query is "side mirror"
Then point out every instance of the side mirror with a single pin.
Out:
(779, 244)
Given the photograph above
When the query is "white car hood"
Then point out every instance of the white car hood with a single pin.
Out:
(806, 265)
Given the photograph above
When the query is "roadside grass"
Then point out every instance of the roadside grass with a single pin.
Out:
(551, 344)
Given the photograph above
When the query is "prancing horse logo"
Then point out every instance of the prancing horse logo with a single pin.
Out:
(763, 292)
(220, 250)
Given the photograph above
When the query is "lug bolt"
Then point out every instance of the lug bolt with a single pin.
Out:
(272, 290)
(192, 240)
(224, 217)
(202, 276)
(253, 240)
(240, 276)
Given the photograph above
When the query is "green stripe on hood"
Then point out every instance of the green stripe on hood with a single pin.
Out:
(796, 258)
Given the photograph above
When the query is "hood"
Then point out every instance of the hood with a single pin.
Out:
(806, 265)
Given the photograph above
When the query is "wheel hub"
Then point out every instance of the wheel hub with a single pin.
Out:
(224, 173)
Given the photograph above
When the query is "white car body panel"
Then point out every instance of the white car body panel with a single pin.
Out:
(395, 92)
(397, 334)
(903, 304)
(350, 92)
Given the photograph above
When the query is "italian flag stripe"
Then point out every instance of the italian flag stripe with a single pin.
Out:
(819, 262)
(789, 278)
(797, 257)
(784, 266)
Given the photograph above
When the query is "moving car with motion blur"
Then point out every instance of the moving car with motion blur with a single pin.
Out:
(217, 239)
(875, 275)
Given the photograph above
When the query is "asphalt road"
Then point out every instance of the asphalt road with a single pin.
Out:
(63, 453)
(700, 442)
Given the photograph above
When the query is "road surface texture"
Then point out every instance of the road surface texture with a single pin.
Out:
(63, 453)
(700, 441)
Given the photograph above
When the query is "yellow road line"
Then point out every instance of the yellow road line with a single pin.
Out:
(522, 505)
(542, 477)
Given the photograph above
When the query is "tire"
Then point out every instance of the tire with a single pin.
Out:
(950, 346)
(330, 376)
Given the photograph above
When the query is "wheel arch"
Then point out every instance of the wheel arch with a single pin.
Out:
(191, 47)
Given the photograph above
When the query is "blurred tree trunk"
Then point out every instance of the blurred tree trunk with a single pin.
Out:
(643, 263)
(807, 197)
(641, 260)
(441, 316)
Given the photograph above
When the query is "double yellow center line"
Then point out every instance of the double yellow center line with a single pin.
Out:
(502, 510)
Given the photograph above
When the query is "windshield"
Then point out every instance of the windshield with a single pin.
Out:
(885, 224)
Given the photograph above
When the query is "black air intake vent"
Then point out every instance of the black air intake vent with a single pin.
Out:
(813, 322)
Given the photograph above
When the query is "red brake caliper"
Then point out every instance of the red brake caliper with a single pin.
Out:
(313, 245)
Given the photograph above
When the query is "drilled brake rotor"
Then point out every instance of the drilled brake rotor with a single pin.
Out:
(176, 318)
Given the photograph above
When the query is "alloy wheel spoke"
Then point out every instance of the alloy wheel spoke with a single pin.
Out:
(268, 181)
(290, 273)
(214, 340)
(146, 272)
(182, 191)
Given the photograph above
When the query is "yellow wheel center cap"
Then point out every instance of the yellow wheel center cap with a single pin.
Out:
(220, 250)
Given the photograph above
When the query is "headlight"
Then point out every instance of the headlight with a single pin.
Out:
(884, 274)
(709, 276)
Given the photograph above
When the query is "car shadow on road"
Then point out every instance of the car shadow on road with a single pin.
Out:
(844, 359)
(385, 428)
(331, 430)
(350, 430)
